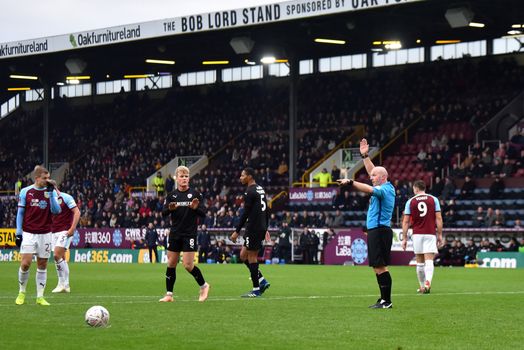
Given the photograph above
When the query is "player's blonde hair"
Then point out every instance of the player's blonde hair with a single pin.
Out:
(181, 169)
(39, 171)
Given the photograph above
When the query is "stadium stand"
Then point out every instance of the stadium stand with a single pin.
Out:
(116, 146)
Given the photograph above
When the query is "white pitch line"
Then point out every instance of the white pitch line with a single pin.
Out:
(154, 298)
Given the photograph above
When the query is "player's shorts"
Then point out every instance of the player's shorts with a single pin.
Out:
(61, 240)
(182, 244)
(424, 244)
(253, 240)
(379, 246)
(39, 244)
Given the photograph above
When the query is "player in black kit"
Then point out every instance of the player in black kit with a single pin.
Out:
(185, 206)
(257, 217)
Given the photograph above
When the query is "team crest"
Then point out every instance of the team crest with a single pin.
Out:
(76, 238)
(60, 201)
(46, 195)
(117, 238)
(310, 196)
(189, 195)
(359, 250)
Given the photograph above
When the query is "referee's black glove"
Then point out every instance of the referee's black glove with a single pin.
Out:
(18, 241)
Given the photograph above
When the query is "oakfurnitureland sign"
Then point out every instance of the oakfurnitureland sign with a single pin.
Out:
(242, 17)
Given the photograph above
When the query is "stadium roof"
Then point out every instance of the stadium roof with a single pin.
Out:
(408, 22)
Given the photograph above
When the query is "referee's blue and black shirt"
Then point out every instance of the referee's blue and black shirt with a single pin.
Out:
(381, 206)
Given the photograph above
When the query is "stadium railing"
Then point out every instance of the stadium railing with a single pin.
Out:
(278, 196)
(356, 135)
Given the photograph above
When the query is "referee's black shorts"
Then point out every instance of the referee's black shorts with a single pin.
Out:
(379, 246)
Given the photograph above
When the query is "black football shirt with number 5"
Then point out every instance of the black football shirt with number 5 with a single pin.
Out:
(255, 210)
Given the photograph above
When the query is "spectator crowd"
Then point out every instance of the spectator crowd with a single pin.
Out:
(112, 148)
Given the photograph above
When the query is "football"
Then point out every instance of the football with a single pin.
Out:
(97, 316)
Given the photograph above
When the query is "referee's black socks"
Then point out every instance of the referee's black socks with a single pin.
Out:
(197, 274)
(384, 283)
(170, 278)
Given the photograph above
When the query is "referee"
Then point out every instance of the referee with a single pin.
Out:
(378, 223)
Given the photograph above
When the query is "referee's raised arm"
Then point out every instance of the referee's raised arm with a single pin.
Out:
(364, 153)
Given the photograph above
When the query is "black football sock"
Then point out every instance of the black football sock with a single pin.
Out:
(170, 278)
(384, 282)
(259, 274)
(253, 268)
(197, 274)
(378, 282)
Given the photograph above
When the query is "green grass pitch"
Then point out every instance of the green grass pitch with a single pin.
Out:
(307, 307)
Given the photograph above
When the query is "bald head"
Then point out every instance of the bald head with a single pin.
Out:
(381, 171)
(378, 175)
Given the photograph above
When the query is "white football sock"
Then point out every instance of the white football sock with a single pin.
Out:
(429, 268)
(421, 274)
(41, 280)
(62, 269)
(59, 272)
(23, 277)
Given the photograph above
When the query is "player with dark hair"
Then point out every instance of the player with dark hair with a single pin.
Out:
(422, 211)
(380, 212)
(184, 205)
(256, 214)
(63, 229)
(36, 203)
